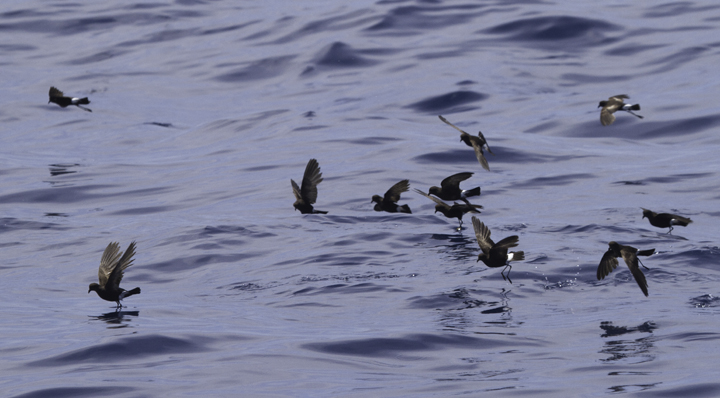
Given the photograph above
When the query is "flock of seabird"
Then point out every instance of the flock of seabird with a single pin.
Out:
(494, 255)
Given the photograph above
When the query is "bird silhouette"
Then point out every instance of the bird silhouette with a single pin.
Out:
(112, 266)
(496, 255)
(306, 196)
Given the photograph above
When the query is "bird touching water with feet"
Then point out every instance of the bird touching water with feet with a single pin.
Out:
(306, 194)
(496, 255)
(112, 267)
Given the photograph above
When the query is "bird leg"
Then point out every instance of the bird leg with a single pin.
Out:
(668, 232)
(641, 263)
(508, 273)
(634, 114)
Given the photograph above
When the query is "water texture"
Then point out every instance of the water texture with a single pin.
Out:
(202, 112)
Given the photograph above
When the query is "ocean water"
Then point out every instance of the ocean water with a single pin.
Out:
(202, 112)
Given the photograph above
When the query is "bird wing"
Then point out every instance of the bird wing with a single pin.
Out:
(506, 243)
(118, 271)
(55, 92)
(606, 117)
(479, 154)
(453, 126)
(296, 190)
(109, 259)
(480, 134)
(482, 234)
(393, 194)
(311, 178)
(631, 260)
(619, 97)
(607, 264)
(453, 182)
(434, 199)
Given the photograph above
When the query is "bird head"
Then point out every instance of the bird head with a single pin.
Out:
(93, 287)
(647, 213)
(482, 256)
(376, 199)
(602, 104)
(434, 191)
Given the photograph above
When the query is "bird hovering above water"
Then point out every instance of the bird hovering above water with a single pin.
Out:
(496, 255)
(457, 210)
(112, 266)
(388, 202)
(307, 195)
(476, 142)
(630, 254)
(613, 104)
(665, 220)
(450, 188)
(59, 98)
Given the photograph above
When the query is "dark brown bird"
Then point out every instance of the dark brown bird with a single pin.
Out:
(112, 266)
(630, 254)
(59, 98)
(457, 210)
(616, 103)
(450, 188)
(496, 255)
(388, 202)
(476, 143)
(306, 196)
(665, 220)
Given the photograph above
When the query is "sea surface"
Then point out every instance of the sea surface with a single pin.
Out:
(202, 112)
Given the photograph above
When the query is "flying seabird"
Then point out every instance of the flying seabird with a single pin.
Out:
(112, 266)
(630, 254)
(616, 103)
(307, 195)
(665, 220)
(388, 202)
(457, 210)
(450, 188)
(476, 142)
(496, 255)
(59, 98)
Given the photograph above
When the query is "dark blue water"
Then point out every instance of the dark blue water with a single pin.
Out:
(202, 112)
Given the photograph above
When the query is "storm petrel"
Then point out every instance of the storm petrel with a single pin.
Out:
(616, 103)
(457, 210)
(59, 98)
(476, 143)
(388, 202)
(450, 188)
(496, 255)
(630, 254)
(665, 220)
(112, 266)
(307, 195)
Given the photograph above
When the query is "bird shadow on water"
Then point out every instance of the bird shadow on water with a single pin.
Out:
(119, 318)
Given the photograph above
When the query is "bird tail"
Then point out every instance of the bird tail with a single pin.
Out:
(129, 293)
(648, 252)
(635, 107)
(518, 256)
(404, 209)
(85, 101)
(472, 192)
